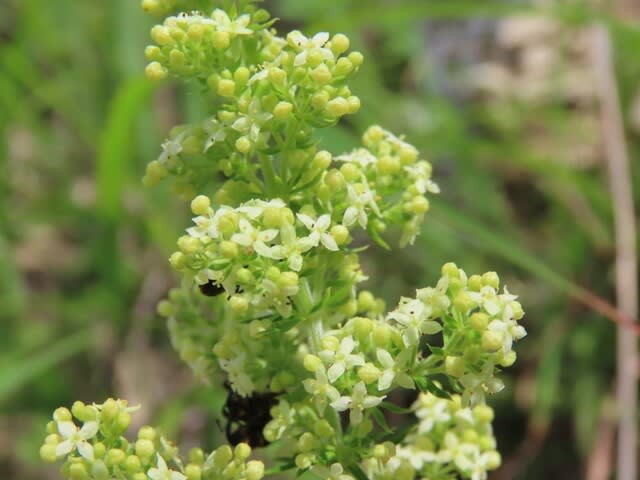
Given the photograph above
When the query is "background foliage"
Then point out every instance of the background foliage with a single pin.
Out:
(83, 246)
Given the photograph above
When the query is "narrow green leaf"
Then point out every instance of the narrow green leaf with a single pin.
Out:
(116, 145)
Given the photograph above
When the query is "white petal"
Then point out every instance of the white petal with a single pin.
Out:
(268, 235)
(355, 417)
(371, 401)
(319, 39)
(431, 327)
(242, 239)
(385, 358)
(350, 216)
(300, 59)
(66, 429)
(335, 371)
(177, 476)
(89, 430)
(341, 404)
(86, 450)
(323, 222)
(347, 345)
(329, 242)
(295, 262)
(64, 448)
(262, 249)
(385, 379)
(306, 220)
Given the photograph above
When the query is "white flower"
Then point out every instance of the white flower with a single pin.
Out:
(306, 45)
(216, 133)
(291, 248)
(321, 389)
(394, 369)
(359, 197)
(234, 27)
(435, 298)
(250, 123)
(414, 316)
(361, 156)
(161, 472)
(318, 229)
(431, 411)
(341, 359)
(236, 369)
(420, 173)
(477, 384)
(171, 147)
(252, 237)
(76, 439)
(357, 403)
(508, 328)
(282, 419)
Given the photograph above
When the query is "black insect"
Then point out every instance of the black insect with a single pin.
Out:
(247, 417)
(211, 289)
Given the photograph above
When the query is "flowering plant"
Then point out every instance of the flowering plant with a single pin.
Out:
(269, 299)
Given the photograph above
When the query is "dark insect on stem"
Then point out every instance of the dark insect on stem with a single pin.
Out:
(211, 289)
(247, 417)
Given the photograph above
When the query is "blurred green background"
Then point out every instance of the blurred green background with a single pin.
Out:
(499, 96)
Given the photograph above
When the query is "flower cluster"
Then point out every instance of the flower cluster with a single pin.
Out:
(449, 441)
(98, 449)
(269, 300)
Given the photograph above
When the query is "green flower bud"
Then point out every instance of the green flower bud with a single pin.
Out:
(155, 72)
(99, 450)
(288, 279)
(454, 366)
(487, 442)
(493, 460)
(228, 249)
(277, 76)
(337, 107)
(48, 453)
(479, 321)
(78, 471)
(139, 476)
(228, 223)
(320, 100)
(321, 74)
(508, 359)
(115, 457)
(188, 244)
(470, 436)
(491, 279)
(241, 76)
(311, 363)
(492, 340)
(282, 111)
(356, 58)
(362, 326)
(329, 342)
(381, 335)
(366, 301)
(340, 234)
(161, 35)
(354, 104)
(193, 472)
(226, 88)
(239, 304)
(62, 414)
(516, 309)
(177, 260)
(351, 172)
(221, 40)
(144, 449)
(82, 412)
(334, 180)
(419, 205)
(483, 413)
(307, 442)
(450, 270)
(343, 67)
(475, 283)
(463, 303)
(323, 429)
(132, 464)
(304, 460)
(350, 308)
(222, 456)
(99, 470)
(242, 451)
(408, 155)
(369, 373)
(123, 420)
(200, 205)
(339, 44)
(196, 455)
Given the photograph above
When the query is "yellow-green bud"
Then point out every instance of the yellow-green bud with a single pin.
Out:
(311, 363)
(492, 340)
(369, 373)
(508, 359)
(388, 165)
(282, 111)
(381, 335)
(188, 244)
(220, 40)
(288, 279)
(48, 453)
(419, 205)
(408, 155)
(362, 327)
(241, 75)
(161, 35)
(228, 249)
(193, 472)
(463, 302)
(277, 76)
(454, 366)
(307, 442)
(123, 420)
(242, 451)
(354, 104)
(479, 321)
(200, 205)
(337, 107)
(349, 308)
(343, 67)
(77, 471)
(239, 304)
(62, 414)
(320, 99)
(155, 72)
(493, 460)
(475, 283)
(339, 44)
(340, 234)
(334, 180)
(321, 74)
(366, 301)
(450, 270)
(226, 88)
(115, 456)
(304, 460)
(329, 342)
(356, 58)
(228, 223)
(243, 144)
(491, 279)
(483, 413)
(99, 470)
(144, 448)
(132, 464)
(99, 450)
(177, 260)
(350, 172)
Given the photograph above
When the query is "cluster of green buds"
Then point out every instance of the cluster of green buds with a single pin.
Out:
(98, 449)
(269, 301)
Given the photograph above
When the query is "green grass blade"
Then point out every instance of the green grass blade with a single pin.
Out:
(15, 376)
(117, 145)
